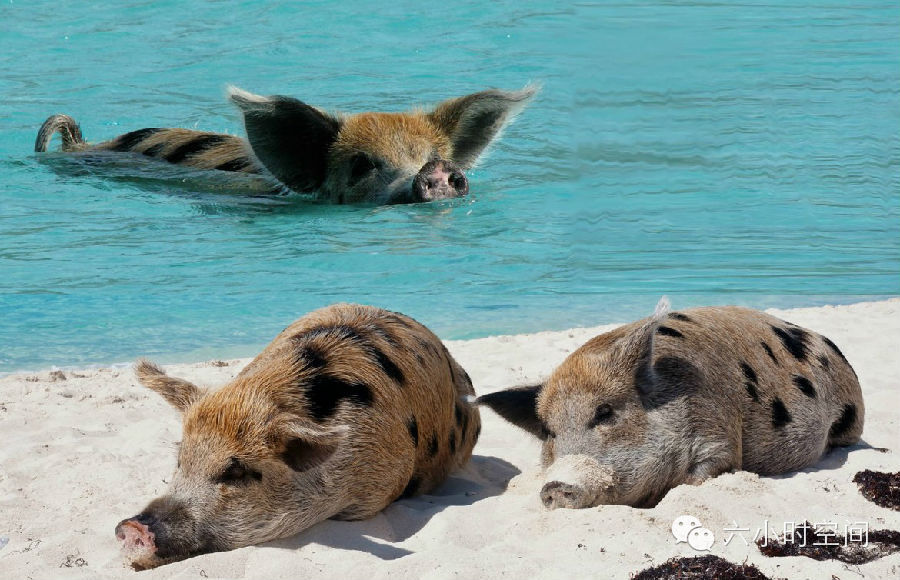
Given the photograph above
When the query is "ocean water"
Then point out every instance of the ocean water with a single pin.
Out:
(717, 153)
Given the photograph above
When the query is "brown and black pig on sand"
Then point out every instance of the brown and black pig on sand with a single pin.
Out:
(348, 409)
(681, 397)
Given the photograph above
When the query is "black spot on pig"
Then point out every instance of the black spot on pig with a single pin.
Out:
(347, 333)
(129, 141)
(834, 348)
(324, 392)
(780, 415)
(413, 426)
(155, 150)
(236, 164)
(667, 331)
(823, 360)
(751, 390)
(194, 146)
(313, 357)
(795, 341)
(847, 419)
(389, 367)
(680, 316)
(769, 352)
(749, 373)
(433, 445)
(805, 386)
(838, 352)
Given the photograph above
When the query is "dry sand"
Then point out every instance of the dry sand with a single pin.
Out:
(80, 450)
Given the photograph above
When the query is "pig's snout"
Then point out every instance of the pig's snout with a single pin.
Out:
(439, 179)
(557, 494)
(136, 536)
(164, 532)
(576, 481)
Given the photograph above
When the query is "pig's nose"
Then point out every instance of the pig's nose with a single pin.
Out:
(557, 494)
(439, 179)
(135, 534)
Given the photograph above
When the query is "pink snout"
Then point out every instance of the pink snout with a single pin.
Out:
(136, 537)
(439, 179)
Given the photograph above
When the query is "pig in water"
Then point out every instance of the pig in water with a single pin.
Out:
(348, 409)
(680, 397)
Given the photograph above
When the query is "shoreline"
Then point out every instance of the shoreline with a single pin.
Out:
(85, 448)
(187, 358)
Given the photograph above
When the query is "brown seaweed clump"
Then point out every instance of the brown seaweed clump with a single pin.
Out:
(882, 489)
(701, 568)
(821, 544)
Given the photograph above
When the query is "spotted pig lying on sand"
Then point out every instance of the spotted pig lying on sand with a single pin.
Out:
(683, 396)
(348, 409)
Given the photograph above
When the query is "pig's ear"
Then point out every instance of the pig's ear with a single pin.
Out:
(180, 393)
(307, 447)
(518, 406)
(636, 348)
(289, 138)
(635, 352)
(473, 121)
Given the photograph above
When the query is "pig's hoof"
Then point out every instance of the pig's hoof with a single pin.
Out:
(557, 494)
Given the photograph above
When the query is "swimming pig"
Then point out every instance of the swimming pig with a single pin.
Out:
(368, 157)
(683, 396)
(348, 409)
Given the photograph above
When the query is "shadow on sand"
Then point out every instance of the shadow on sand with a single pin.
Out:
(482, 478)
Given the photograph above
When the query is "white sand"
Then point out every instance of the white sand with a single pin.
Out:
(79, 453)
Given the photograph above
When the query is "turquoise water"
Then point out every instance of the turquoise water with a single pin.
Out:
(716, 153)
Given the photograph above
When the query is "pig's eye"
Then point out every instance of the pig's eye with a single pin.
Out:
(603, 414)
(360, 166)
(238, 473)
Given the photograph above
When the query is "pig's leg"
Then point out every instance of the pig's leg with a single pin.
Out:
(713, 459)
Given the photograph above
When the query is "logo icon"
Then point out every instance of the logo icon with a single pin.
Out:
(688, 529)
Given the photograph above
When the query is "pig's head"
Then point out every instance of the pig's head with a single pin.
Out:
(604, 439)
(376, 157)
(246, 473)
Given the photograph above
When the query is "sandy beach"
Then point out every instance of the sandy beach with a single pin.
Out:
(82, 449)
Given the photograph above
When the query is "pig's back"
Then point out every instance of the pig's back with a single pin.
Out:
(394, 384)
(792, 390)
